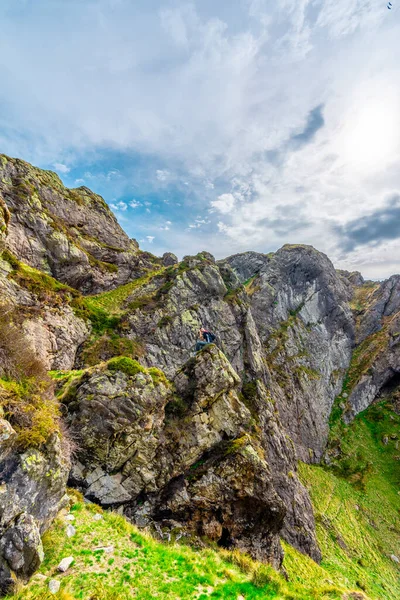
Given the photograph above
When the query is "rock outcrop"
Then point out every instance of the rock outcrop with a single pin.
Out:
(207, 443)
(181, 452)
(32, 491)
(375, 365)
(70, 234)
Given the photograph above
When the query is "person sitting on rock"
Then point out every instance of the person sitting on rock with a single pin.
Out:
(205, 338)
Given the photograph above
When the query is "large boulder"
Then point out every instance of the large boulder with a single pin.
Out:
(33, 487)
(70, 234)
(181, 452)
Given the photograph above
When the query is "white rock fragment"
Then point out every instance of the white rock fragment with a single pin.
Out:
(97, 517)
(65, 564)
(107, 549)
(395, 558)
(70, 531)
(70, 518)
(54, 586)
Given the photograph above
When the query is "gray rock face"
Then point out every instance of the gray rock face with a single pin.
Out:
(214, 449)
(33, 491)
(70, 234)
(375, 366)
(354, 278)
(52, 330)
(380, 356)
(300, 309)
(168, 259)
(184, 452)
(293, 312)
(384, 302)
(247, 264)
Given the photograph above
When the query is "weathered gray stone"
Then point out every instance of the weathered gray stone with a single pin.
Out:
(70, 531)
(168, 259)
(21, 546)
(54, 586)
(70, 234)
(65, 564)
(33, 491)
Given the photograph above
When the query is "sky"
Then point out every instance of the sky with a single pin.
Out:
(216, 125)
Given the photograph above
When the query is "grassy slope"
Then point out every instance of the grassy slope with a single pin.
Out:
(357, 505)
(140, 567)
(357, 508)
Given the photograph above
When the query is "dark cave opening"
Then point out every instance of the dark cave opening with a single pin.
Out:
(225, 540)
(392, 384)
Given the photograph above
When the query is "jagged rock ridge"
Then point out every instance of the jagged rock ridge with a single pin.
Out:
(209, 443)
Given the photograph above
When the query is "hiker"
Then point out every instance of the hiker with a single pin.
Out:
(205, 338)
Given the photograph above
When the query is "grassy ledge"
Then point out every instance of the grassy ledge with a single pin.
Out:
(114, 561)
(357, 505)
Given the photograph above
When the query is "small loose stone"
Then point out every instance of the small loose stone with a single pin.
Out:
(65, 564)
(107, 549)
(71, 531)
(54, 586)
(97, 517)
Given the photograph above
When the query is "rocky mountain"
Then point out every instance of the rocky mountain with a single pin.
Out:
(99, 381)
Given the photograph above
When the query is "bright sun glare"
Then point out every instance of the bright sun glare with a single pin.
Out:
(371, 136)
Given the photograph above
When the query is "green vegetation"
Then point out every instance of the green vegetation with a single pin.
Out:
(32, 410)
(114, 561)
(112, 302)
(46, 288)
(26, 393)
(362, 296)
(132, 367)
(99, 318)
(158, 376)
(235, 296)
(357, 505)
(164, 321)
(109, 345)
(176, 408)
(125, 365)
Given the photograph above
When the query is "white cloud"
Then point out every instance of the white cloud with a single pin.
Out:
(162, 175)
(61, 168)
(224, 203)
(150, 238)
(215, 98)
(134, 204)
(79, 181)
(119, 206)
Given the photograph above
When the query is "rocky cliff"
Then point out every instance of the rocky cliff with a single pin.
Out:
(203, 444)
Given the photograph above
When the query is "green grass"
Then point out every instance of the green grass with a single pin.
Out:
(357, 505)
(112, 302)
(37, 282)
(31, 409)
(126, 365)
(140, 567)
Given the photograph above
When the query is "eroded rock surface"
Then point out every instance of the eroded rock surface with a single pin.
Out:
(70, 234)
(32, 491)
(212, 449)
(189, 451)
